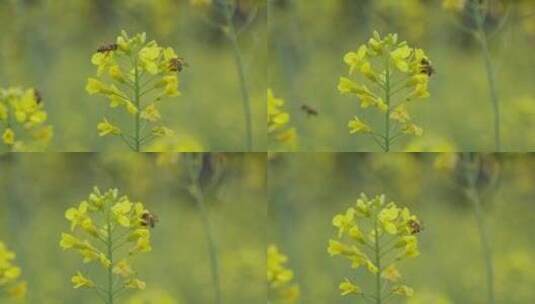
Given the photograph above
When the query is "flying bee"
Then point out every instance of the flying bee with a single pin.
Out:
(426, 67)
(177, 64)
(37, 95)
(415, 227)
(149, 220)
(309, 111)
(107, 48)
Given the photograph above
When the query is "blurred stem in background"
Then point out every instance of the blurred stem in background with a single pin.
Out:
(195, 163)
(479, 15)
(478, 176)
(233, 34)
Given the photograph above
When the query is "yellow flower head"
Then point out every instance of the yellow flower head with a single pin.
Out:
(138, 74)
(23, 120)
(106, 223)
(10, 274)
(386, 74)
(370, 233)
(277, 122)
(279, 277)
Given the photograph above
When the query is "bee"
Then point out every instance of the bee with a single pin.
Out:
(149, 220)
(107, 48)
(309, 111)
(415, 227)
(37, 95)
(177, 64)
(426, 67)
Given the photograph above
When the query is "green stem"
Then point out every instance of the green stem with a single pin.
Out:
(245, 94)
(110, 257)
(238, 57)
(387, 100)
(485, 245)
(137, 100)
(378, 287)
(212, 246)
(491, 78)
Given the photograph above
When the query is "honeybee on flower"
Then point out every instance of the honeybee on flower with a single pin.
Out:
(135, 75)
(375, 236)
(108, 230)
(397, 74)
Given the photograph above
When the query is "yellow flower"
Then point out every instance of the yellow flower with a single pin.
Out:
(372, 218)
(171, 85)
(123, 269)
(79, 280)
(347, 288)
(391, 274)
(9, 136)
(135, 284)
(162, 131)
(358, 126)
(108, 222)
(106, 128)
(279, 277)
(95, 86)
(148, 57)
(403, 290)
(102, 61)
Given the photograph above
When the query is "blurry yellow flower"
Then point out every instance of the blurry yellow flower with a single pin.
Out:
(106, 128)
(404, 290)
(135, 284)
(347, 288)
(8, 137)
(357, 126)
(279, 277)
(149, 56)
(79, 280)
(151, 113)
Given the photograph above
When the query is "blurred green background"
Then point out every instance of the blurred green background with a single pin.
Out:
(308, 40)
(307, 190)
(48, 44)
(37, 189)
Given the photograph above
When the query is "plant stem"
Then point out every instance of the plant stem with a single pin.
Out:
(378, 287)
(110, 257)
(232, 34)
(245, 95)
(491, 78)
(485, 244)
(387, 100)
(212, 246)
(137, 100)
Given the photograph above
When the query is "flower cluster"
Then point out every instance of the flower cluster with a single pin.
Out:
(376, 236)
(278, 120)
(10, 274)
(22, 115)
(398, 74)
(279, 278)
(135, 75)
(109, 230)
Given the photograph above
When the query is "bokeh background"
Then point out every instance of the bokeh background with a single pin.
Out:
(307, 190)
(48, 44)
(308, 40)
(36, 189)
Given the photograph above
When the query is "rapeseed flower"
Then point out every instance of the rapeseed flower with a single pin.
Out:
(375, 236)
(108, 230)
(279, 278)
(135, 75)
(278, 120)
(23, 120)
(392, 76)
(10, 274)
